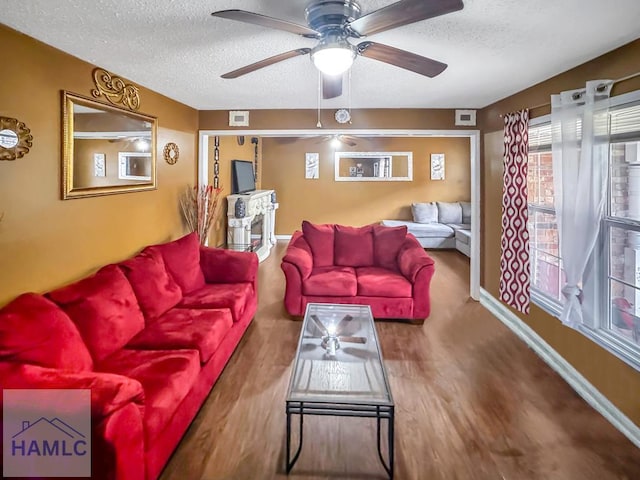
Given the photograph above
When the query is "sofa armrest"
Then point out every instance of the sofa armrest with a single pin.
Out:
(418, 267)
(297, 265)
(299, 255)
(117, 412)
(109, 392)
(412, 258)
(228, 266)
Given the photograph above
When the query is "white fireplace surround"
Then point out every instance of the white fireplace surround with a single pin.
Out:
(258, 202)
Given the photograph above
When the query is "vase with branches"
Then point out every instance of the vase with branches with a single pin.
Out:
(200, 208)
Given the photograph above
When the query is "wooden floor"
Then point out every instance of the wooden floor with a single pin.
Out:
(472, 402)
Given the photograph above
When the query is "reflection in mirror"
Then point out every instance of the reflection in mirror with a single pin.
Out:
(106, 149)
(134, 166)
(8, 138)
(373, 166)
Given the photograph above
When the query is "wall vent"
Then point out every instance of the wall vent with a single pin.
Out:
(465, 118)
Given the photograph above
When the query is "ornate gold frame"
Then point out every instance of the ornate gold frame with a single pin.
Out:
(170, 148)
(115, 89)
(68, 190)
(25, 139)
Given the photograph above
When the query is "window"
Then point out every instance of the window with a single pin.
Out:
(614, 322)
(546, 266)
(622, 227)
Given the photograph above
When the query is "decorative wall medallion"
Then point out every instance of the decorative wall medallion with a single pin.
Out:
(342, 116)
(171, 153)
(15, 139)
(115, 90)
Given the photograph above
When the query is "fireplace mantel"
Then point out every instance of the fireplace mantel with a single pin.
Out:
(259, 211)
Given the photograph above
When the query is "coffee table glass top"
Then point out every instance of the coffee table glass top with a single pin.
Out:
(338, 358)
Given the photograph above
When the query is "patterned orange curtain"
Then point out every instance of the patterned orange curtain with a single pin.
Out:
(514, 253)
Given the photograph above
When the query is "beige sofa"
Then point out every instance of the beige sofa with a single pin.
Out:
(439, 225)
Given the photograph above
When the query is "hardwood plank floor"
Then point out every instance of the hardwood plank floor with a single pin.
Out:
(472, 402)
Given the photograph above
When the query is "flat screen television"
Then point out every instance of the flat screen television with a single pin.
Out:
(242, 177)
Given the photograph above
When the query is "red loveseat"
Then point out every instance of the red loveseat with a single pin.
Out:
(384, 267)
(148, 336)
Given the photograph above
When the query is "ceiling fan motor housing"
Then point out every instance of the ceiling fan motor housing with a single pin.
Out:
(329, 17)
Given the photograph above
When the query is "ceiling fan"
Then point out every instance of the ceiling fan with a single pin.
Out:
(339, 139)
(332, 334)
(334, 23)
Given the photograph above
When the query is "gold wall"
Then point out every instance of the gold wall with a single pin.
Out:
(323, 200)
(403, 118)
(46, 242)
(619, 382)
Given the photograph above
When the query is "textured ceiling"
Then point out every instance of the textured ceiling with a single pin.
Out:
(494, 48)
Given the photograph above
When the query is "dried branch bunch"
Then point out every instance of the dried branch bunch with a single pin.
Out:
(200, 207)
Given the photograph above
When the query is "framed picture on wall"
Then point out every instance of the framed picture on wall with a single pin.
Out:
(437, 166)
(99, 169)
(312, 165)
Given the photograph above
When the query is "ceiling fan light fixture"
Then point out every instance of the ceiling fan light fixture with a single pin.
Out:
(333, 59)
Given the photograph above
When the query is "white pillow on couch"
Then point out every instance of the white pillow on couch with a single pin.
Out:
(449, 212)
(466, 212)
(424, 212)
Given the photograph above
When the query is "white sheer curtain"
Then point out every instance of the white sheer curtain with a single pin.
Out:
(580, 147)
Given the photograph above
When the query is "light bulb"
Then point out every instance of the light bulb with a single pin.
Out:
(335, 142)
(333, 59)
(142, 144)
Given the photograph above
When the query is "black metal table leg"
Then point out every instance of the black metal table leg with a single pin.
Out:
(291, 463)
(391, 421)
(388, 467)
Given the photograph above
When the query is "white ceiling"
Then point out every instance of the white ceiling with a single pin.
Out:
(494, 48)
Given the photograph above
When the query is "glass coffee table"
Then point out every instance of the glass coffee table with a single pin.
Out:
(338, 370)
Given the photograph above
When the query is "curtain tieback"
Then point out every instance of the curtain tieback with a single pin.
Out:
(572, 291)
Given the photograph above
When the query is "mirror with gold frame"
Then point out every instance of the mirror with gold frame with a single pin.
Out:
(373, 166)
(106, 149)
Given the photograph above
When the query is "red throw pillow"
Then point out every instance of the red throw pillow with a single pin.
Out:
(156, 291)
(320, 238)
(354, 246)
(182, 261)
(35, 330)
(104, 308)
(386, 245)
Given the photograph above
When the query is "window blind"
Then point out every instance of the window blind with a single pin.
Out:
(625, 123)
(540, 137)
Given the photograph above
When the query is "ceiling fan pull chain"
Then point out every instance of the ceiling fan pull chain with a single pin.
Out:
(349, 93)
(319, 124)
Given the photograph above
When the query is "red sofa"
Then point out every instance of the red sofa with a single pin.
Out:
(384, 267)
(149, 336)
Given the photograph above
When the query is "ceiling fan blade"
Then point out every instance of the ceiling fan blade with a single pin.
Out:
(265, 21)
(352, 339)
(331, 86)
(320, 325)
(266, 62)
(347, 140)
(402, 13)
(345, 323)
(401, 58)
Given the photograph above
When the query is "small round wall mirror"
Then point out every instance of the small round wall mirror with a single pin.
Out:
(171, 153)
(15, 139)
(8, 138)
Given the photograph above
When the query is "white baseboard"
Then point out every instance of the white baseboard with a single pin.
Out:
(283, 237)
(580, 384)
